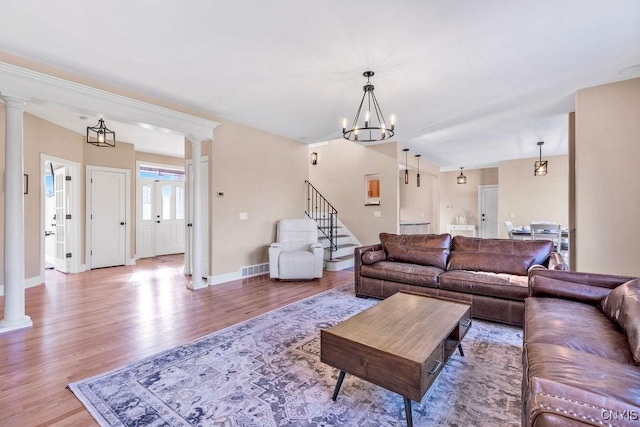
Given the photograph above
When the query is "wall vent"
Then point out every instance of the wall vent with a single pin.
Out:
(254, 270)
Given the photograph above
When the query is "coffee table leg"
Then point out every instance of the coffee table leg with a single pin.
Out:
(460, 350)
(338, 385)
(407, 410)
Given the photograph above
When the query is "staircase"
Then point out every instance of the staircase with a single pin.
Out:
(337, 240)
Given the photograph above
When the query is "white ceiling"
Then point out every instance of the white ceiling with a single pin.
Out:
(470, 82)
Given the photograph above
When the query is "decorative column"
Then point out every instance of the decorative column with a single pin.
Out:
(196, 218)
(14, 295)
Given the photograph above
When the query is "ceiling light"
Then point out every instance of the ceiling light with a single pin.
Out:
(406, 166)
(540, 167)
(374, 127)
(461, 178)
(100, 136)
(418, 157)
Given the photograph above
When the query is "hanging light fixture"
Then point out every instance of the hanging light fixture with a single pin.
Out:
(100, 136)
(461, 178)
(540, 167)
(375, 128)
(406, 166)
(314, 158)
(418, 157)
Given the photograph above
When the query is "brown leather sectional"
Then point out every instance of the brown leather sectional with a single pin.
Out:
(581, 350)
(489, 273)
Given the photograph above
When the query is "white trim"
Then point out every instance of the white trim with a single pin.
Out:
(91, 101)
(88, 200)
(224, 278)
(28, 283)
(187, 237)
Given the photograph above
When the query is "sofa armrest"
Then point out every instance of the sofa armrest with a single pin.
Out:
(274, 253)
(589, 288)
(357, 261)
(556, 262)
(549, 403)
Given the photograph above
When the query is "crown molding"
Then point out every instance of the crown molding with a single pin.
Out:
(49, 90)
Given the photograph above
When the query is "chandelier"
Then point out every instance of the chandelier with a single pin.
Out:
(373, 127)
(100, 136)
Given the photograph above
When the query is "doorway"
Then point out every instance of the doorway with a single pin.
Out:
(488, 211)
(108, 194)
(160, 210)
(60, 215)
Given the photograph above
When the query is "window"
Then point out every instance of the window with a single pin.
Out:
(166, 202)
(146, 203)
(179, 203)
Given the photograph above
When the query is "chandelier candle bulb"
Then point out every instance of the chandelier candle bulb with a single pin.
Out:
(344, 125)
(393, 122)
(366, 119)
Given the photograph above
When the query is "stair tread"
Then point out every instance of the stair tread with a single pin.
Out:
(340, 258)
(338, 236)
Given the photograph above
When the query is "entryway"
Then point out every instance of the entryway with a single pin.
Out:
(488, 211)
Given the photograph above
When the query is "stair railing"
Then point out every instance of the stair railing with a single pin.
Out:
(326, 216)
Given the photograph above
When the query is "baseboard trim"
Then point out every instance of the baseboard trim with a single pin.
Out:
(28, 283)
(224, 278)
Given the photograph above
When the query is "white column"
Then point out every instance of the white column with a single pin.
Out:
(196, 227)
(14, 296)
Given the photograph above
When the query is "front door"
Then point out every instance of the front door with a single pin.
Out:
(108, 218)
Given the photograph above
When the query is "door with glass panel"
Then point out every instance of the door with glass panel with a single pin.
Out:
(161, 212)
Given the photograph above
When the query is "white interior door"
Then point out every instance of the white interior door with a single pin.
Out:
(169, 217)
(204, 216)
(108, 218)
(62, 218)
(488, 211)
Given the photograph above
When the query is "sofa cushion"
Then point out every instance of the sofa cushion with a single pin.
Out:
(584, 371)
(417, 255)
(442, 241)
(373, 257)
(420, 275)
(623, 306)
(491, 262)
(539, 249)
(504, 286)
(574, 325)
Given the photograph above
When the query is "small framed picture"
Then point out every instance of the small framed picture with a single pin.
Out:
(461, 219)
(372, 190)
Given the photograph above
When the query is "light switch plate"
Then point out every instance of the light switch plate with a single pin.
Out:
(377, 214)
(243, 216)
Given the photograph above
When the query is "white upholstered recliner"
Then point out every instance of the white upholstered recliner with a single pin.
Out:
(297, 253)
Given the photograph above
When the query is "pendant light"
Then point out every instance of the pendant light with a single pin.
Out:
(375, 128)
(461, 178)
(406, 166)
(100, 136)
(418, 157)
(540, 167)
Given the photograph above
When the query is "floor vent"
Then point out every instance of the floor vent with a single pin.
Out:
(253, 270)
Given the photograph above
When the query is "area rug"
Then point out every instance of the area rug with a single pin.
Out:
(267, 372)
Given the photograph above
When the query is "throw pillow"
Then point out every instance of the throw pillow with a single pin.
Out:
(372, 257)
(490, 262)
(623, 306)
(435, 257)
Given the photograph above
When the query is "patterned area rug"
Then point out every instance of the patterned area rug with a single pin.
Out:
(267, 372)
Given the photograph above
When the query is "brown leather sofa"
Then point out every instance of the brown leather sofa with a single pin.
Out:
(489, 273)
(581, 350)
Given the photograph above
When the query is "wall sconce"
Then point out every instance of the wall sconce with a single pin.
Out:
(406, 166)
(461, 178)
(540, 167)
(314, 158)
(418, 157)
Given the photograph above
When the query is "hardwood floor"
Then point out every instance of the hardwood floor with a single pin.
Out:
(89, 323)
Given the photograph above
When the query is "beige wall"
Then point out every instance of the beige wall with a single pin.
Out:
(159, 159)
(533, 198)
(607, 149)
(339, 176)
(463, 198)
(420, 204)
(261, 174)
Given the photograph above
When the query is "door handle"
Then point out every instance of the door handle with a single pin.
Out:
(122, 223)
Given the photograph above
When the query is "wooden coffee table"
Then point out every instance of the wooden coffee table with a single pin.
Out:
(401, 344)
